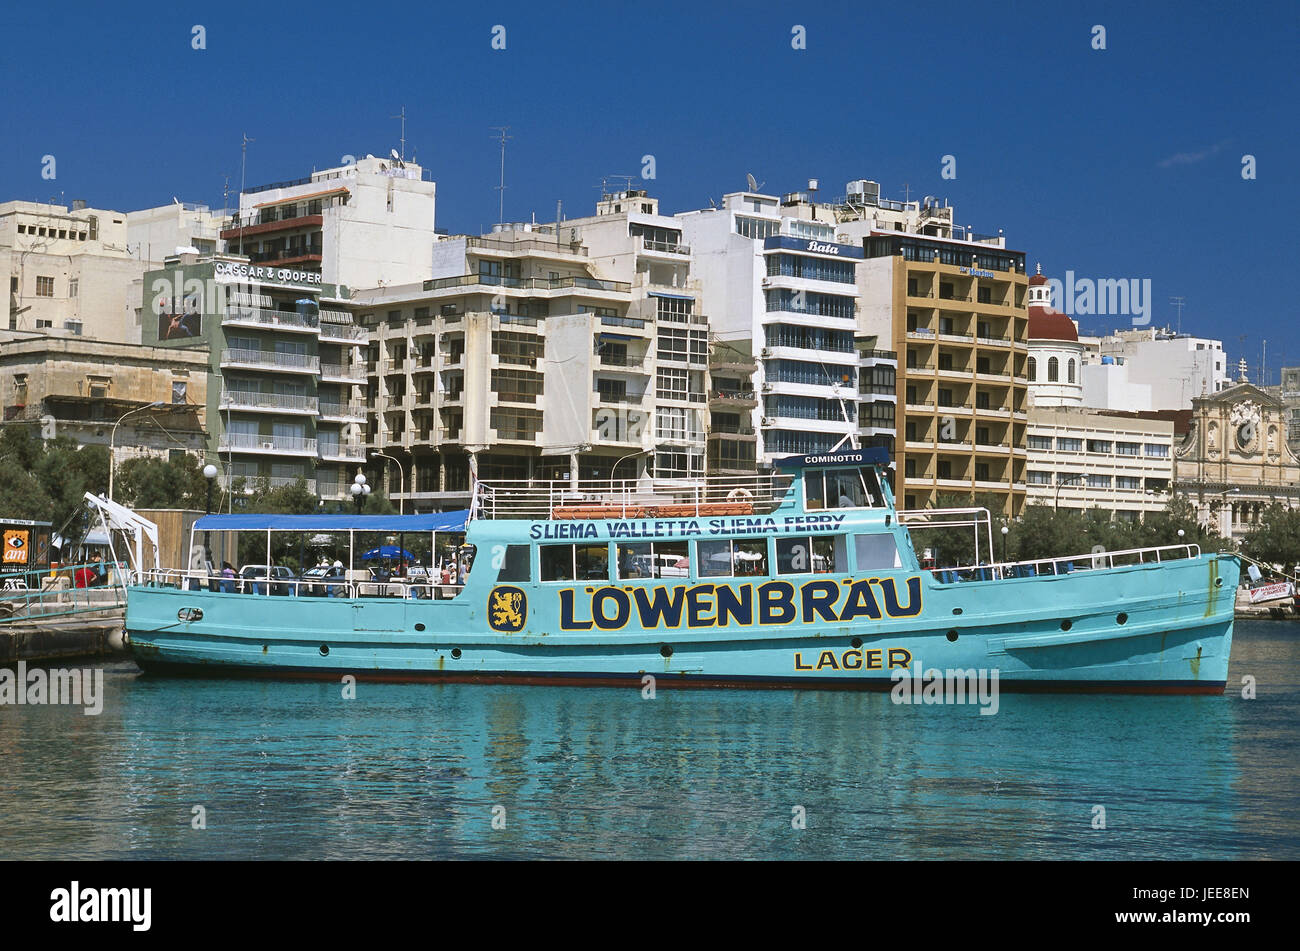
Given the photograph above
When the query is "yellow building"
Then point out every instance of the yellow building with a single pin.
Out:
(958, 314)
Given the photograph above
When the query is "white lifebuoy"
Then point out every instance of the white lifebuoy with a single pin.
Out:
(739, 495)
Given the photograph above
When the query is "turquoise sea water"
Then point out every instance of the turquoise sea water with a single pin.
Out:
(293, 770)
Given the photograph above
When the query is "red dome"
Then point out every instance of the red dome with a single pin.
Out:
(1036, 280)
(1048, 324)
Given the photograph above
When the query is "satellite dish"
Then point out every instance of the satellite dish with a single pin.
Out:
(393, 153)
(753, 182)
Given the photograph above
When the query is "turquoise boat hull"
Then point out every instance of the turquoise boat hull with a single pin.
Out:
(1143, 628)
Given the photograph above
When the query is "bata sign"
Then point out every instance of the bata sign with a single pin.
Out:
(823, 248)
(248, 272)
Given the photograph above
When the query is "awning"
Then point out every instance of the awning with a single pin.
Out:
(261, 522)
(666, 294)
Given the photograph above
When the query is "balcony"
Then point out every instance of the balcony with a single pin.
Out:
(254, 225)
(341, 332)
(343, 373)
(269, 319)
(270, 402)
(734, 399)
(270, 360)
(343, 412)
(664, 247)
(537, 245)
(257, 443)
(342, 452)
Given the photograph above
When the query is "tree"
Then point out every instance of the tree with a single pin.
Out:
(150, 482)
(23, 495)
(1275, 540)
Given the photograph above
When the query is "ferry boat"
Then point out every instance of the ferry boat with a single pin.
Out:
(804, 578)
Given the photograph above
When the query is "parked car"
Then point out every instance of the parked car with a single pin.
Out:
(252, 579)
(323, 581)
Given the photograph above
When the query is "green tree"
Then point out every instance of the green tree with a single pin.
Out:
(67, 472)
(150, 482)
(1275, 540)
(23, 496)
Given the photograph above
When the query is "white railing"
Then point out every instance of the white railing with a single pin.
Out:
(237, 399)
(256, 316)
(632, 498)
(194, 580)
(239, 441)
(340, 371)
(270, 358)
(1067, 564)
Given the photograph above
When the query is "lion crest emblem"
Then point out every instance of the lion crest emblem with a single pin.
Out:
(507, 609)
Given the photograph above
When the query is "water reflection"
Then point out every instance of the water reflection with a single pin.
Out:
(295, 771)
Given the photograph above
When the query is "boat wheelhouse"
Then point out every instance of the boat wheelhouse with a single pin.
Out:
(805, 577)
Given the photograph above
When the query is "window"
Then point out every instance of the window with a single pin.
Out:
(1070, 371)
(653, 560)
(1035, 477)
(1128, 482)
(515, 566)
(1128, 448)
(1038, 442)
(1065, 444)
(1096, 481)
(982, 472)
(575, 562)
(44, 287)
(1156, 450)
(74, 285)
(517, 386)
(816, 554)
(725, 558)
(671, 384)
(875, 551)
(1053, 370)
(826, 488)
(1099, 445)
(1031, 370)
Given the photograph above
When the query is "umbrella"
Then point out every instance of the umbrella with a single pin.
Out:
(387, 551)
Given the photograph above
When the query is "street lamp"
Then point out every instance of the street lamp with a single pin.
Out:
(359, 490)
(401, 481)
(209, 473)
(112, 440)
(1005, 532)
(1056, 504)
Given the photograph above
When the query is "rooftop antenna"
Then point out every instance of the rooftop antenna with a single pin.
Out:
(907, 191)
(401, 115)
(1178, 302)
(501, 189)
(243, 165)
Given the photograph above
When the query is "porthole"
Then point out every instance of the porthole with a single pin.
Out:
(956, 610)
(666, 651)
(855, 643)
(1067, 624)
(1218, 582)
(420, 626)
(324, 650)
(1121, 618)
(952, 636)
(455, 653)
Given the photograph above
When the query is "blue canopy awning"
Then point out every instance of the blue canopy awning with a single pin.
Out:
(666, 294)
(261, 522)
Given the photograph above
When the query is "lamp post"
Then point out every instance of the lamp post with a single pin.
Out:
(112, 440)
(209, 473)
(359, 490)
(1056, 504)
(1005, 531)
(401, 481)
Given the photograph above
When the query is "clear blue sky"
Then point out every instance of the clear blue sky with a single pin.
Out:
(1122, 163)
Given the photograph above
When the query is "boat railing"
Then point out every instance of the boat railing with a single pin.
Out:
(758, 494)
(199, 580)
(1067, 564)
(53, 592)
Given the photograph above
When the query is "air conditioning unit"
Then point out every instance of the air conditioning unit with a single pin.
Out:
(767, 282)
(768, 421)
(268, 444)
(765, 353)
(767, 387)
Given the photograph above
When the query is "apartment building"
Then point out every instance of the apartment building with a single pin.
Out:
(155, 234)
(284, 367)
(516, 361)
(787, 284)
(1162, 370)
(68, 270)
(368, 224)
(732, 439)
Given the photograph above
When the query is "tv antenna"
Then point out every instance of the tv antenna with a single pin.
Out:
(1178, 302)
(501, 189)
(401, 115)
(243, 165)
(754, 184)
(907, 191)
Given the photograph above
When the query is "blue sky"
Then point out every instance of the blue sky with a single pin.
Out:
(1119, 163)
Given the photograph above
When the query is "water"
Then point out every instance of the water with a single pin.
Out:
(290, 770)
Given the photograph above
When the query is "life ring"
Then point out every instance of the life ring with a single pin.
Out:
(739, 495)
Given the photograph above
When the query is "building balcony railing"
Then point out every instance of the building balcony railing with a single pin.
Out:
(256, 442)
(633, 322)
(528, 283)
(739, 397)
(256, 317)
(665, 247)
(541, 245)
(342, 411)
(340, 331)
(354, 372)
(342, 452)
(667, 317)
(277, 402)
(271, 360)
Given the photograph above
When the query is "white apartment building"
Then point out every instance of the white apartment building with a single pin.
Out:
(361, 226)
(69, 271)
(787, 284)
(155, 234)
(1176, 368)
(1084, 458)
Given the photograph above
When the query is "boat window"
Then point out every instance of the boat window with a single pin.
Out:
(515, 566)
(876, 551)
(653, 560)
(817, 554)
(575, 562)
(842, 488)
(730, 558)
